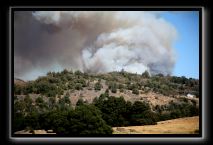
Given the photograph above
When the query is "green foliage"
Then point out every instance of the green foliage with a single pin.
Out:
(55, 83)
(145, 118)
(19, 106)
(121, 86)
(177, 110)
(135, 91)
(18, 90)
(78, 73)
(32, 121)
(118, 112)
(121, 90)
(98, 86)
(78, 86)
(113, 87)
(139, 107)
(113, 90)
(108, 110)
(86, 120)
(160, 75)
(51, 102)
(67, 99)
(145, 74)
(65, 71)
(81, 81)
(113, 109)
(40, 103)
(28, 103)
(80, 102)
(141, 114)
(18, 122)
(39, 100)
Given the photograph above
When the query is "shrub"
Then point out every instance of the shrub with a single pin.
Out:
(98, 86)
(113, 90)
(145, 74)
(80, 102)
(113, 87)
(78, 86)
(78, 73)
(18, 122)
(135, 91)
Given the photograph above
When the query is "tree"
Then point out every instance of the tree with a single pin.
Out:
(175, 114)
(32, 120)
(65, 71)
(160, 75)
(135, 91)
(113, 109)
(86, 120)
(80, 102)
(28, 103)
(19, 106)
(121, 86)
(113, 87)
(17, 89)
(114, 90)
(98, 86)
(67, 99)
(81, 81)
(78, 86)
(18, 121)
(107, 92)
(61, 103)
(78, 73)
(142, 114)
(51, 102)
(145, 74)
(139, 107)
(40, 102)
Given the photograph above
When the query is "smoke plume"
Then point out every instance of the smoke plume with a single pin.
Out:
(90, 41)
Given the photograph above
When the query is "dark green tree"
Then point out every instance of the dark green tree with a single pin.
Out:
(145, 74)
(80, 102)
(78, 86)
(87, 120)
(135, 91)
(98, 86)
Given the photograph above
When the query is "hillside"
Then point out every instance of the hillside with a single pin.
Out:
(157, 90)
(19, 82)
(121, 98)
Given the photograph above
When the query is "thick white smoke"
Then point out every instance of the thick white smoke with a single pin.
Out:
(102, 41)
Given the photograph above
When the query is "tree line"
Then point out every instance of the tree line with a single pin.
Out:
(96, 118)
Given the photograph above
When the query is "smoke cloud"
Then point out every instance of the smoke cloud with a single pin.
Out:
(92, 41)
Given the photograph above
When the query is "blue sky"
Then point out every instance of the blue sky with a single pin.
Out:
(187, 44)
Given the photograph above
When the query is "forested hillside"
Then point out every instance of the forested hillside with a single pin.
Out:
(75, 103)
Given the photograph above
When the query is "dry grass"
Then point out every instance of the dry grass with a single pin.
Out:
(34, 132)
(186, 125)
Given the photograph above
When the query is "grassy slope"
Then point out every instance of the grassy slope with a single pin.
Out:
(186, 125)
